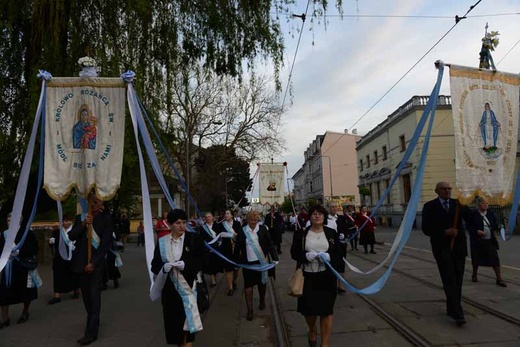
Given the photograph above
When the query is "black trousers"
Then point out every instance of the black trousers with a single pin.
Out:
(451, 270)
(91, 293)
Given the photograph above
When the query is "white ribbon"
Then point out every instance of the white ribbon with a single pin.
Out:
(257, 249)
(65, 245)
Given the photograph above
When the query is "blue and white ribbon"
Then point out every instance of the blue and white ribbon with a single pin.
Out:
(65, 246)
(258, 251)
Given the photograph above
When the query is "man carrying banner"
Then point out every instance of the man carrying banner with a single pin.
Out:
(91, 270)
(442, 222)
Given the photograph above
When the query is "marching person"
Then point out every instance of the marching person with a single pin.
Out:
(178, 257)
(91, 270)
(64, 279)
(333, 222)
(350, 218)
(252, 247)
(140, 234)
(162, 228)
(442, 222)
(230, 228)
(275, 223)
(482, 225)
(213, 263)
(367, 237)
(24, 281)
(320, 285)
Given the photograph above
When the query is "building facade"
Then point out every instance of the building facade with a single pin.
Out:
(329, 170)
(381, 150)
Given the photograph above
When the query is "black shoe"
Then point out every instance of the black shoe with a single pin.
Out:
(24, 318)
(54, 301)
(460, 321)
(5, 324)
(230, 292)
(356, 249)
(249, 316)
(103, 287)
(213, 285)
(341, 291)
(501, 283)
(116, 283)
(279, 252)
(474, 278)
(86, 340)
(312, 343)
(261, 306)
(373, 252)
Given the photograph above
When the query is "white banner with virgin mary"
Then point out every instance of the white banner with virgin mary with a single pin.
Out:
(485, 108)
(271, 183)
(84, 136)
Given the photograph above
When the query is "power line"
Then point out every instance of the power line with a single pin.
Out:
(517, 42)
(302, 16)
(414, 16)
(457, 20)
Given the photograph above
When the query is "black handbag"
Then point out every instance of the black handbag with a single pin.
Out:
(202, 294)
(29, 264)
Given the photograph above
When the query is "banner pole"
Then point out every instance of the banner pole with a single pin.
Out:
(89, 231)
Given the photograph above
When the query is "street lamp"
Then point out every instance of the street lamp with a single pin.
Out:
(188, 162)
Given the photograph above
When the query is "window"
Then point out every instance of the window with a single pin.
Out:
(385, 153)
(378, 191)
(368, 160)
(375, 158)
(310, 186)
(403, 143)
(361, 164)
(407, 188)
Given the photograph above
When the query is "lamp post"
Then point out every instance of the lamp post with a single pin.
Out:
(330, 176)
(188, 162)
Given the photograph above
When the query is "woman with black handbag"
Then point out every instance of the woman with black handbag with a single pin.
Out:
(177, 263)
(308, 248)
(482, 225)
(24, 281)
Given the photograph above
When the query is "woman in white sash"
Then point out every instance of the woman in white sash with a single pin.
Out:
(64, 279)
(24, 283)
(230, 228)
(367, 235)
(177, 259)
(252, 247)
(213, 264)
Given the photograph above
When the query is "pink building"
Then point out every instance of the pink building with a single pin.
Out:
(329, 170)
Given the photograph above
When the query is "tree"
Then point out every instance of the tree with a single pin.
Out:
(222, 179)
(155, 39)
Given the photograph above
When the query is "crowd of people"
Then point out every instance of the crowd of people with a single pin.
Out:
(87, 249)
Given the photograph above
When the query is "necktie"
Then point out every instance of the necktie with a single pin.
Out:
(446, 206)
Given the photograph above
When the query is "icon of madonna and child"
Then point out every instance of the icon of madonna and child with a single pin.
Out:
(489, 131)
(84, 132)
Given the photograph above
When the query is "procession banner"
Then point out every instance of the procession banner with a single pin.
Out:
(271, 184)
(485, 108)
(84, 136)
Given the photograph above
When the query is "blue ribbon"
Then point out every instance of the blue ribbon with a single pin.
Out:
(409, 216)
(128, 76)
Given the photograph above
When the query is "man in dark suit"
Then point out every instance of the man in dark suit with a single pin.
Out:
(442, 222)
(91, 270)
(274, 222)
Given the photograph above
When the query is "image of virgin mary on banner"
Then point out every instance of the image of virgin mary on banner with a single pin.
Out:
(271, 184)
(485, 108)
(84, 127)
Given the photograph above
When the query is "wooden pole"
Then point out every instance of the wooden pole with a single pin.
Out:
(89, 232)
(454, 225)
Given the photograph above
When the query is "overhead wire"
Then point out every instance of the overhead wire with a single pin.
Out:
(302, 16)
(414, 65)
(517, 42)
(414, 16)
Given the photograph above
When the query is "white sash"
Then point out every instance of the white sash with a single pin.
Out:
(257, 249)
(229, 229)
(95, 239)
(193, 321)
(209, 231)
(65, 246)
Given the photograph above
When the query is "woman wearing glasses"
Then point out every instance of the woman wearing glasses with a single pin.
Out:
(309, 248)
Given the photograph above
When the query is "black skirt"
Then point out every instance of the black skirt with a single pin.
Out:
(18, 291)
(64, 279)
(319, 294)
(251, 277)
(174, 315)
(484, 253)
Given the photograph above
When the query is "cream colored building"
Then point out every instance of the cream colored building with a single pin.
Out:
(329, 170)
(381, 150)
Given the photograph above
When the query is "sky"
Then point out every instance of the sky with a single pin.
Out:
(342, 70)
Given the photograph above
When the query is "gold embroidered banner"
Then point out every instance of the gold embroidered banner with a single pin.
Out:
(485, 108)
(271, 183)
(84, 136)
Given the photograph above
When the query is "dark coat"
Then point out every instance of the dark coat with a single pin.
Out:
(435, 220)
(298, 247)
(476, 222)
(264, 239)
(102, 226)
